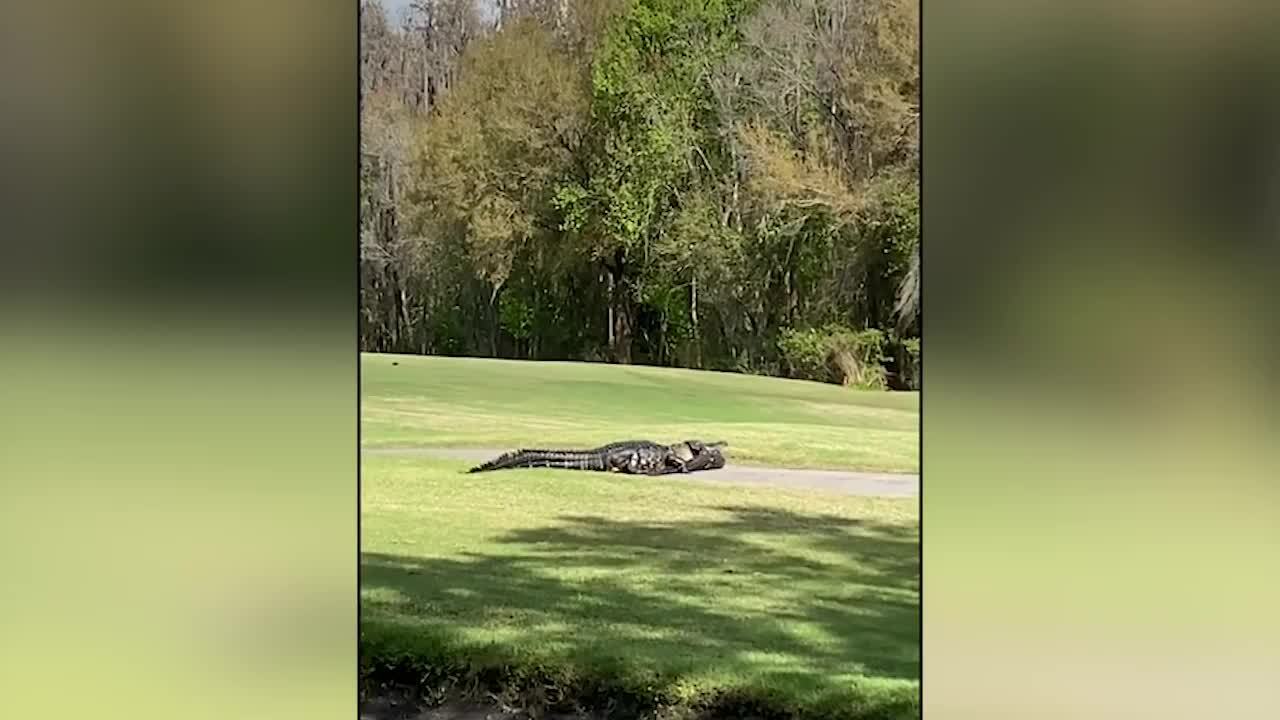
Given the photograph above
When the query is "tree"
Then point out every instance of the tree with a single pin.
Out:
(646, 96)
(437, 34)
(642, 180)
(490, 160)
(820, 112)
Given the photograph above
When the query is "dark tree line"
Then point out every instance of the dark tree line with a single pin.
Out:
(720, 184)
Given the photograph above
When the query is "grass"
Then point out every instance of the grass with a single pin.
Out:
(646, 595)
(678, 590)
(466, 402)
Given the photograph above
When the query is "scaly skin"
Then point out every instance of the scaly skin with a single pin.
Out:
(697, 455)
(633, 457)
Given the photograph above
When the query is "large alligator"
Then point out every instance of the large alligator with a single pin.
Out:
(634, 457)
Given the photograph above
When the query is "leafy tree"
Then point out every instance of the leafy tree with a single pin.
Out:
(491, 158)
(725, 183)
(646, 95)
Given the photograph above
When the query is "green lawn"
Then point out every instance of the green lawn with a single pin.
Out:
(667, 591)
(660, 587)
(466, 402)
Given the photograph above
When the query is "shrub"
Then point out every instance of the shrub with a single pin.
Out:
(836, 354)
(909, 364)
(515, 316)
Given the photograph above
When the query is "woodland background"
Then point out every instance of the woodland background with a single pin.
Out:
(719, 184)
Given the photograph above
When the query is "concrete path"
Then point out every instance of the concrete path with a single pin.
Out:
(841, 481)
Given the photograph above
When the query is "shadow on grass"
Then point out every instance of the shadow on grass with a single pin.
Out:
(775, 604)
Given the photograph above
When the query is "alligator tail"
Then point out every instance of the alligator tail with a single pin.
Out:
(556, 459)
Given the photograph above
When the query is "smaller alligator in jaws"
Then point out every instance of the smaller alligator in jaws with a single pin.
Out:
(634, 457)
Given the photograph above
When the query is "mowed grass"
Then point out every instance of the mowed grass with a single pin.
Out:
(683, 594)
(413, 401)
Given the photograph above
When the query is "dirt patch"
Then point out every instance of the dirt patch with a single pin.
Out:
(839, 481)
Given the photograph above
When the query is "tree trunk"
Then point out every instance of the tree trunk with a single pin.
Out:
(662, 340)
(397, 308)
(493, 317)
(405, 320)
(621, 325)
(619, 311)
(792, 297)
(693, 317)
(610, 322)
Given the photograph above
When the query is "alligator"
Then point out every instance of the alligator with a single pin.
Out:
(633, 457)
